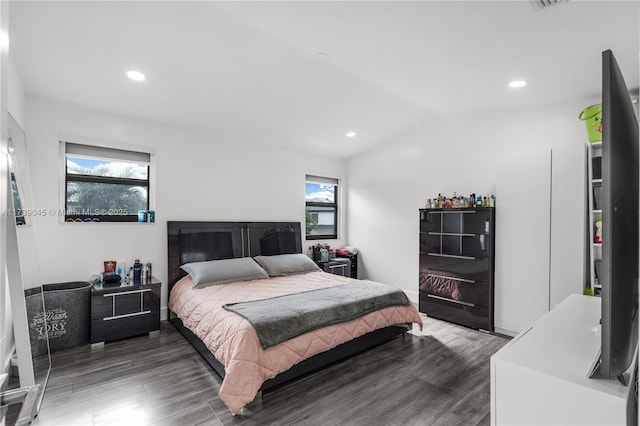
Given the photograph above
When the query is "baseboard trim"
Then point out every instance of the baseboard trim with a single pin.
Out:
(509, 333)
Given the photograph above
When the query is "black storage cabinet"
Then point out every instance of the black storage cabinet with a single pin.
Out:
(456, 278)
(67, 308)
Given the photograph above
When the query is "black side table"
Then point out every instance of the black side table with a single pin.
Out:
(336, 266)
(125, 310)
(354, 263)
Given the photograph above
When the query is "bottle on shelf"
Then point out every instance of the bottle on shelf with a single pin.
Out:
(137, 271)
(324, 254)
(122, 271)
(148, 271)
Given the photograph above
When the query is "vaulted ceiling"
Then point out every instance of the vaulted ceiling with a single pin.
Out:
(301, 74)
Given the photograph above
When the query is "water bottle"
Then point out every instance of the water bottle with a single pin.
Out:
(122, 271)
(143, 274)
(324, 254)
(137, 271)
(148, 271)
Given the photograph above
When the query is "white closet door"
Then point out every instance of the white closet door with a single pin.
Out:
(568, 212)
(523, 192)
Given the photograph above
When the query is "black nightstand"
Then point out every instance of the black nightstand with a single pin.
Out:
(354, 263)
(125, 310)
(336, 266)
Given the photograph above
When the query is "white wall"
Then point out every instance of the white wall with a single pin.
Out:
(205, 177)
(447, 154)
(198, 177)
(16, 97)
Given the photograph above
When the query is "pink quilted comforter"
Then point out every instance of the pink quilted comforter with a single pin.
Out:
(234, 342)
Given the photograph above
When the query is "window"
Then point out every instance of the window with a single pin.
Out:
(104, 184)
(17, 211)
(17, 202)
(321, 202)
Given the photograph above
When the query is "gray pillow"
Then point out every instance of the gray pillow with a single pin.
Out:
(287, 264)
(213, 272)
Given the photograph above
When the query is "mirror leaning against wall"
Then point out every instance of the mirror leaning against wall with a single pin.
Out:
(24, 279)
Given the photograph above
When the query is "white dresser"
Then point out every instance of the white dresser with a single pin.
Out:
(541, 376)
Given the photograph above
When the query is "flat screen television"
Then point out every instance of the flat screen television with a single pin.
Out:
(620, 224)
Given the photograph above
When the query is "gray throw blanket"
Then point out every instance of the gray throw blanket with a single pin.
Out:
(281, 318)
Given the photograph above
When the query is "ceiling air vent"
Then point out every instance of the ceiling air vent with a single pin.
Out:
(541, 4)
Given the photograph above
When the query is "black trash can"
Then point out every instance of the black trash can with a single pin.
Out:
(68, 308)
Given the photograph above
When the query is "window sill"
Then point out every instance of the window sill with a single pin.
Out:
(106, 223)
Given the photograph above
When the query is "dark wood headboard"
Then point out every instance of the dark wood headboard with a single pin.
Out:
(200, 241)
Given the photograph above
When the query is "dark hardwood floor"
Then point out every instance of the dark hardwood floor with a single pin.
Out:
(440, 377)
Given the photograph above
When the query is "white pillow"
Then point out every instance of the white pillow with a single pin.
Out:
(287, 264)
(224, 271)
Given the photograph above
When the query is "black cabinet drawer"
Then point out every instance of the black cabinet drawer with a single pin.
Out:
(430, 221)
(113, 304)
(116, 304)
(469, 269)
(458, 221)
(114, 329)
(132, 303)
(471, 246)
(475, 293)
(338, 268)
(478, 317)
(101, 307)
(447, 221)
(479, 222)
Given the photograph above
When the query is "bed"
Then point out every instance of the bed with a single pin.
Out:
(228, 341)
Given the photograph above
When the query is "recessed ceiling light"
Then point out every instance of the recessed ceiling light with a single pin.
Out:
(351, 134)
(4, 40)
(136, 75)
(322, 56)
(517, 83)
